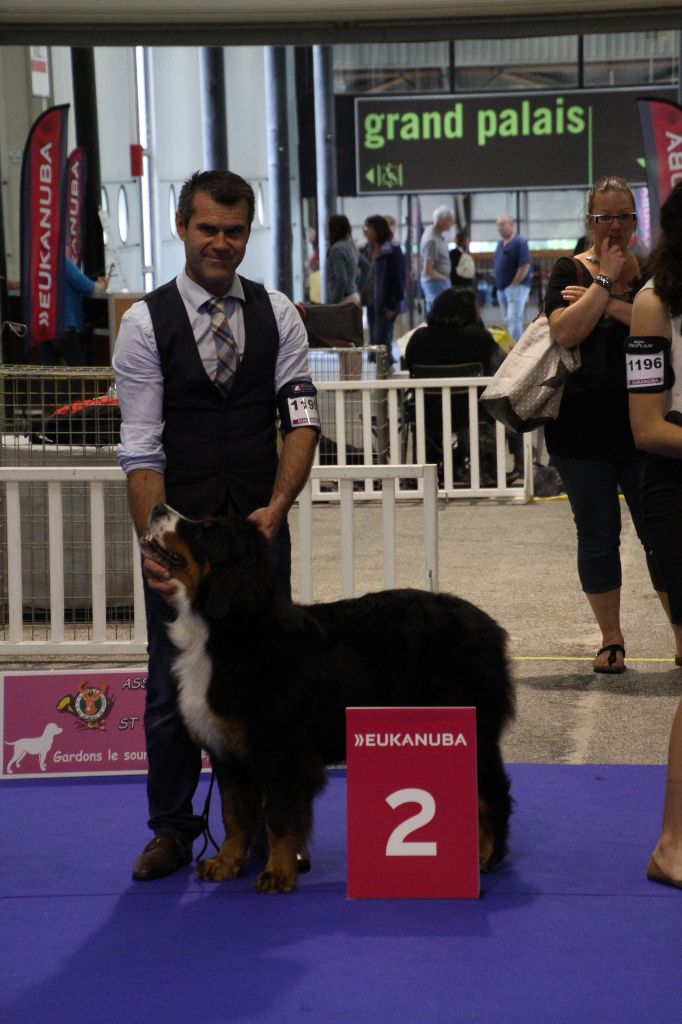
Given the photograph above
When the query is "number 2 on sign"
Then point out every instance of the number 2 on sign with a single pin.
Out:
(397, 845)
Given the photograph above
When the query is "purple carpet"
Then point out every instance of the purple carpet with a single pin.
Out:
(569, 930)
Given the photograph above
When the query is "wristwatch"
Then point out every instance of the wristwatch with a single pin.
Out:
(604, 281)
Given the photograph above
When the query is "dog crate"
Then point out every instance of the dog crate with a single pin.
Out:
(368, 363)
(63, 417)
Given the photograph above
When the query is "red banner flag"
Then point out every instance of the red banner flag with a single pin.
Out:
(43, 179)
(661, 125)
(76, 171)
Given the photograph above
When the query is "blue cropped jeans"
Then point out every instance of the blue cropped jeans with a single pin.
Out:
(592, 489)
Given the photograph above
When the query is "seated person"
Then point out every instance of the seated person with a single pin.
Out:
(454, 335)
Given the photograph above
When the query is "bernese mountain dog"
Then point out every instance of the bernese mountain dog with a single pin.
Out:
(263, 684)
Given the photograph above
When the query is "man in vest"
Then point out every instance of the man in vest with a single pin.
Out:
(200, 385)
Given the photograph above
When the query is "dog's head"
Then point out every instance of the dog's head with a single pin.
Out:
(208, 558)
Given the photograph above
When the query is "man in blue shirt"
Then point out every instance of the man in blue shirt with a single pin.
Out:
(512, 275)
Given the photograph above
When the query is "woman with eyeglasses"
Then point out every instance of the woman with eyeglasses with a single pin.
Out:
(654, 374)
(589, 303)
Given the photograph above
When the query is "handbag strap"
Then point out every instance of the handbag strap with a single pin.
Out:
(581, 270)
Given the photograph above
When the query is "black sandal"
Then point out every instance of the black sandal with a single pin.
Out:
(607, 669)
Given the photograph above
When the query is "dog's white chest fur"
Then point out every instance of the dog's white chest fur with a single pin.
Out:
(193, 669)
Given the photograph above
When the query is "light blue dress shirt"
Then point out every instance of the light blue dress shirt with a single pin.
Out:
(139, 377)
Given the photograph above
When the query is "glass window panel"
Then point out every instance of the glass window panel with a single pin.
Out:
(172, 207)
(392, 67)
(631, 58)
(123, 214)
(498, 65)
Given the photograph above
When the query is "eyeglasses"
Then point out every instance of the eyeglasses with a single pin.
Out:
(607, 218)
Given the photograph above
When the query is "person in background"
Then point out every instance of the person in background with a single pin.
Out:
(453, 335)
(435, 256)
(462, 266)
(512, 270)
(204, 366)
(654, 373)
(386, 286)
(347, 269)
(589, 303)
(404, 266)
(69, 348)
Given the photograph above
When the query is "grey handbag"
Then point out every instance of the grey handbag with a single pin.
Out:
(526, 390)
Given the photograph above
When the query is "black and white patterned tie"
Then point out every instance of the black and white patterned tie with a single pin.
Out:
(225, 345)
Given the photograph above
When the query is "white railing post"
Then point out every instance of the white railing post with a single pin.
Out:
(305, 541)
(431, 527)
(14, 568)
(98, 562)
(347, 538)
(56, 558)
(388, 522)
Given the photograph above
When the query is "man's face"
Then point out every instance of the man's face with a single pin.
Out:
(215, 242)
(505, 226)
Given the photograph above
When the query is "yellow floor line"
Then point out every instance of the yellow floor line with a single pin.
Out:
(561, 657)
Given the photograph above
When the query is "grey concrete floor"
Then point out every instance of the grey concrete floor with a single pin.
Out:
(517, 562)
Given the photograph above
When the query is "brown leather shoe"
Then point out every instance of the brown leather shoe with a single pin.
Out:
(162, 856)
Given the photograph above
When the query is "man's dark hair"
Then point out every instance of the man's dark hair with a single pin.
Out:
(223, 187)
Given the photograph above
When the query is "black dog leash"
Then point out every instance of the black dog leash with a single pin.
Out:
(205, 827)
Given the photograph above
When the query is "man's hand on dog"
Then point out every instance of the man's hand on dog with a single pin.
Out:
(159, 579)
(268, 520)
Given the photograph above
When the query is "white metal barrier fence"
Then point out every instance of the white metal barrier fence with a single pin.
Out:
(397, 433)
(69, 415)
(96, 640)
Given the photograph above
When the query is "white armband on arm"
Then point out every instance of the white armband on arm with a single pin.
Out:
(297, 405)
(647, 364)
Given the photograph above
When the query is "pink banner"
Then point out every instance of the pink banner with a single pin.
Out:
(661, 125)
(43, 172)
(73, 723)
(75, 191)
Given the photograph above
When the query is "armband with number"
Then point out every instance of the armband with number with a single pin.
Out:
(647, 364)
(297, 405)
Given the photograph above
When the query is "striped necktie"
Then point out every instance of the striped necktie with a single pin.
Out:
(225, 345)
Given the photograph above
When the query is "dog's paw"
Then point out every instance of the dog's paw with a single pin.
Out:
(217, 869)
(276, 881)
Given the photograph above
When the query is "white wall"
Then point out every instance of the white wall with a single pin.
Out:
(177, 142)
(18, 111)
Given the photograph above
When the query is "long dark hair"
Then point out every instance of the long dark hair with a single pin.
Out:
(338, 227)
(455, 307)
(665, 262)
